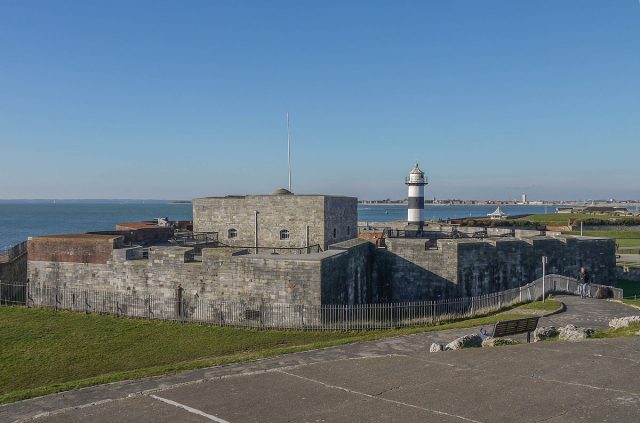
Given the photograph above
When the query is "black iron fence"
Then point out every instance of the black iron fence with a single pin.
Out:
(263, 315)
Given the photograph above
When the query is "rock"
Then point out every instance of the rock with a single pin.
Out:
(603, 292)
(623, 322)
(467, 341)
(435, 347)
(544, 332)
(638, 333)
(497, 342)
(574, 333)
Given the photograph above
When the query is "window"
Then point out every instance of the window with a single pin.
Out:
(335, 231)
(348, 230)
(232, 233)
(284, 234)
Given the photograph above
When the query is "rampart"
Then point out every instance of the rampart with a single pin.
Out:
(13, 263)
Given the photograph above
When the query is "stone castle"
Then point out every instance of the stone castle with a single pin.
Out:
(307, 250)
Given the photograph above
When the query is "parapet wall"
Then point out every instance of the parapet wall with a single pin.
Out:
(73, 248)
(224, 274)
(13, 268)
(351, 272)
(413, 269)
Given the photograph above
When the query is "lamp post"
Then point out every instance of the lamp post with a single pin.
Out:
(545, 260)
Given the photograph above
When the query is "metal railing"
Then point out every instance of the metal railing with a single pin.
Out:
(263, 315)
(13, 252)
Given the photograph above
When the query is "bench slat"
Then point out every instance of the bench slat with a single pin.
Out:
(514, 327)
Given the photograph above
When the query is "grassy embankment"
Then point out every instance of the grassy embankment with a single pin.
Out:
(617, 333)
(560, 219)
(44, 351)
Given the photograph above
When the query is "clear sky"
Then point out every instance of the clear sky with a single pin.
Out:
(159, 99)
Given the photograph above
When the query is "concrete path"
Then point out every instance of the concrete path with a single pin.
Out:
(394, 379)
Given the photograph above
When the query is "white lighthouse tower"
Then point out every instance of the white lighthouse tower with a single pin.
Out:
(416, 182)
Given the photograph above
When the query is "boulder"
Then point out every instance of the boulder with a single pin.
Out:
(435, 347)
(638, 333)
(544, 332)
(574, 333)
(603, 292)
(497, 342)
(623, 322)
(467, 341)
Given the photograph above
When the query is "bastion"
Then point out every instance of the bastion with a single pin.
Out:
(305, 250)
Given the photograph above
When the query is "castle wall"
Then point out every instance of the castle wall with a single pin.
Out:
(340, 220)
(409, 271)
(350, 272)
(14, 270)
(322, 214)
(223, 275)
(76, 248)
(347, 278)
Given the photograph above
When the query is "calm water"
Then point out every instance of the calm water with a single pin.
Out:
(21, 219)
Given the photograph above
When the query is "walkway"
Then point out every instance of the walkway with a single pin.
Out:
(395, 379)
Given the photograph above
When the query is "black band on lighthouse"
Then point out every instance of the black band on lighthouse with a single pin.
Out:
(415, 202)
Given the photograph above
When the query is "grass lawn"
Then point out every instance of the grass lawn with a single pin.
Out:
(556, 219)
(45, 351)
(615, 333)
(548, 305)
(632, 302)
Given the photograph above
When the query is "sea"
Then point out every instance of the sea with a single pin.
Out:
(20, 219)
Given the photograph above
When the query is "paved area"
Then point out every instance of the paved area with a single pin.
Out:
(395, 379)
(629, 258)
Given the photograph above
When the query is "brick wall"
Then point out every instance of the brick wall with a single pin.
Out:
(73, 248)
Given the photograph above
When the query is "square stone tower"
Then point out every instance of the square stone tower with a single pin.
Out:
(281, 219)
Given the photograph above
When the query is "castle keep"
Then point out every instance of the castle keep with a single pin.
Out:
(307, 250)
(279, 220)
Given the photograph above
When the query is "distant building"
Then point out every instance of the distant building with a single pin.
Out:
(524, 198)
(564, 210)
(497, 214)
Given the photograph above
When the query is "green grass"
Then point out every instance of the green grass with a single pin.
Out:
(44, 351)
(622, 235)
(632, 302)
(548, 305)
(557, 219)
(616, 333)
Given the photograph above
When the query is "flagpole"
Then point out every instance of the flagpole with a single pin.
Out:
(289, 149)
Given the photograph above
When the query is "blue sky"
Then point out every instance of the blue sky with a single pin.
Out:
(157, 99)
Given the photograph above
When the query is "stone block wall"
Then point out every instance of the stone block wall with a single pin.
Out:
(73, 248)
(347, 278)
(14, 270)
(224, 274)
(408, 270)
(294, 213)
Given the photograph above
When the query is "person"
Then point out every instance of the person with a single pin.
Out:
(584, 288)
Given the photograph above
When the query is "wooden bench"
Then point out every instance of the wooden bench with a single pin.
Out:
(515, 327)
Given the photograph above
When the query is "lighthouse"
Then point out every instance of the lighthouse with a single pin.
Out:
(416, 182)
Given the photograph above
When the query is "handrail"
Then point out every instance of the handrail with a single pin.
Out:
(13, 252)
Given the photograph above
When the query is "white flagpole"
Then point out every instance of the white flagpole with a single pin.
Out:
(289, 149)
